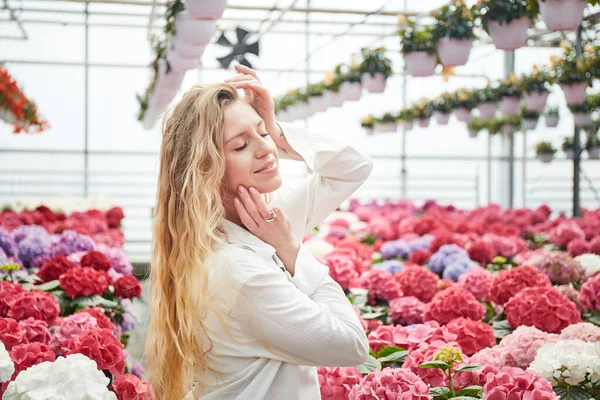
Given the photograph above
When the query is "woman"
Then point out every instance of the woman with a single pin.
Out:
(239, 308)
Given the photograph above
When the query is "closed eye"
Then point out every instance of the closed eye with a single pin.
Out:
(246, 143)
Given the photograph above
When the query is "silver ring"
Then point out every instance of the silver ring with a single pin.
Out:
(271, 216)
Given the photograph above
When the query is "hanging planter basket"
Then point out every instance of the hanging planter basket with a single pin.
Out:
(551, 121)
(334, 99)
(594, 153)
(374, 83)
(442, 118)
(423, 122)
(536, 101)
(510, 105)
(530, 124)
(473, 133)
(582, 119)
(562, 15)
(409, 125)
(351, 91)
(454, 52)
(546, 158)
(509, 36)
(574, 93)
(487, 110)
(508, 129)
(203, 9)
(186, 49)
(420, 63)
(192, 30)
(463, 114)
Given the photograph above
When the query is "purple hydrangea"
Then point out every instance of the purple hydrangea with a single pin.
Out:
(25, 230)
(446, 255)
(3, 257)
(338, 232)
(421, 243)
(395, 248)
(136, 369)
(7, 243)
(391, 266)
(128, 323)
(71, 242)
(33, 246)
(118, 258)
(458, 268)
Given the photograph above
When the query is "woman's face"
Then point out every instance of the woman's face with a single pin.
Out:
(250, 155)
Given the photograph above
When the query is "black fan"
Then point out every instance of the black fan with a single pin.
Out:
(239, 49)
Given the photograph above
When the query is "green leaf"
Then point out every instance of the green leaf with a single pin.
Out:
(91, 301)
(490, 312)
(436, 364)
(501, 329)
(571, 393)
(440, 393)
(398, 356)
(48, 286)
(371, 352)
(372, 315)
(594, 318)
(387, 350)
(469, 367)
(371, 365)
(474, 391)
(466, 398)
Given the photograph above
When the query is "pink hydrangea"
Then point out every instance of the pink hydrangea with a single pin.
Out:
(506, 246)
(336, 383)
(454, 302)
(560, 268)
(578, 247)
(344, 266)
(380, 284)
(381, 337)
(406, 310)
(36, 330)
(590, 293)
(425, 352)
(418, 282)
(509, 282)
(491, 356)
(521, 346)
(472, 336)
(581, 331)
(543, 307)
(473, 378)
(478, 281)
(71, 328)
(565, 232)
(514, 383)
(427, 332)
(391, 384)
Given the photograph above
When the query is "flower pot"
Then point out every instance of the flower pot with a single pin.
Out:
(442, 118)
(570, 154)
(192, 30)
(582, 118)
(487, 110)
(562, 15)
(369, 131)
(530, 124)
(546, 158)
(204, 9)
(536, 101)
(574, 93)
(463, 114)
(302, 110)
(508, 129)
(510, 105)
(473, 133)
(420, 63)
(551, 121)
(317, 104)
(374, 83)
(351, 91)
(282, 116)
(594, 153)
(171, 80)
(454, 52)
(510, 36)
(423, 122)
(186, 49)
(408, 125)
(390, 127)
(179, 63)
(335, 99)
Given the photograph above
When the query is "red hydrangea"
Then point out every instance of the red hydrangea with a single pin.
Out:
(420, 257)
(130, 387)
(472, 336)
(29, 354)
(128, 286)
(423, 353)
(578, 247)
(590, 293)
(114, 217)
(380, 284)
(565, 232)
(543, 307)
(71, 328)
(36, 330)
(337, 382)
(83, 282)
(452, 303)
(96, 260)
(11, 333)
(509, 282)
(406, 310)
(53, 268)
(101, 319)
(418, 282)
(390, 383)
(37, 304)
(102, 346)
(478, 281)
(342, 268)
(8, 294)
(514, 383)
(482, 252)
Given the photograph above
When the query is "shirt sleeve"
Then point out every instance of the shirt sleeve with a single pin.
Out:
(336, 170)
(306, 322)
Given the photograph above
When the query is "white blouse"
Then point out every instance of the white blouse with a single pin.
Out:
(276, 328)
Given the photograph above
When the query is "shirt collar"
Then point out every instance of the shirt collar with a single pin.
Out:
(238, 235)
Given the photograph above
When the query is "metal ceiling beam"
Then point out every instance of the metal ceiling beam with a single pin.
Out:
(13, 17)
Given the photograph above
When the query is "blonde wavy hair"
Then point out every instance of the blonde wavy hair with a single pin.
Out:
(189, 208)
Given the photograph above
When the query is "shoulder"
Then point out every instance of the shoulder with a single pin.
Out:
(237, 262)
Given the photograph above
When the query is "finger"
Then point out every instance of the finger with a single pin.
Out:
(279, 215)
(245, 70)
(239, 78)
(253, 85)
(260, 203)
(249, 205)
(244, 216)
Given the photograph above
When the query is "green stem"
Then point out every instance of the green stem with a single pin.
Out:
(450, 383)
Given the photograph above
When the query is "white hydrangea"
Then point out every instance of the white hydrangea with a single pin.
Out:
(7, 367)
(569, 361)
(74, 377)
(589, 262)
(318, 247)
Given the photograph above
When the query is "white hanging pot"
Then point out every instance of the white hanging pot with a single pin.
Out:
(570, 154)
(179, 63)
(317, 104)
(186, 49)
(206, 9)
(463, 114)
(374, 83)
(551, 120)
(509, 36)
(369, 131)
(575, 92)
(582, 119)
(594, 153)
(473, 133)
(510, 105)
(508, 129)
(302, 110)
(335, 98)
(351, 91)
(423, 122)
(546, 158)
(454, 52)
(172, 79)
(536, 101)
(530, 124)
(409, 125)
(442, 118)
(192, 30)
(487, 110)
(420, 63)
(562, 15)
(391, 127)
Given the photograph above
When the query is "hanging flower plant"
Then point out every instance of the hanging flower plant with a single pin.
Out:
(529, 118)
(510, 95)
(582, 113)
(551, 117)
(506, 21)
(368, 124)
(572, 74)
(545, 151)
(418, 48)
(375, 69)
(16, 108)
(535, 86)
(486, 100)
(453, 33)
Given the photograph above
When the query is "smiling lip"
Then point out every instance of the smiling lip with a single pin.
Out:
(267, 165)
